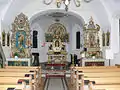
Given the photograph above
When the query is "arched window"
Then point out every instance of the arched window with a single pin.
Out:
(3, 38)
(78, 40)
(35, 33)
(8, 39)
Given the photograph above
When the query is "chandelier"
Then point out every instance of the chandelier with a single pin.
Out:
(65, 2)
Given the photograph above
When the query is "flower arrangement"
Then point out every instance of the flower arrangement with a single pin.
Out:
(16, 54)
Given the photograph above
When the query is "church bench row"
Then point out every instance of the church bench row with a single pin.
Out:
(26, 69)
(103, 70)
(104, 86)
(20, 70)
(17, 74)
(18, 86)
(4, 81)
(98, 80)
(101, 74)
(37, 70)
(92, 70)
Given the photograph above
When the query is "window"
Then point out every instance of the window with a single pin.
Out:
(78, 40)
(35, 39)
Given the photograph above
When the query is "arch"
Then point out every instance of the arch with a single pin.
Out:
(38, 14)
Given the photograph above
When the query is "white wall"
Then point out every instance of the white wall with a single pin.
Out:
(96, 9)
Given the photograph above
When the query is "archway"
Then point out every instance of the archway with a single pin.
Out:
(72, 21)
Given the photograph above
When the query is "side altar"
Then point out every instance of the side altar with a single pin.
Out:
(93, 55)
(57, 36)
(20, 42)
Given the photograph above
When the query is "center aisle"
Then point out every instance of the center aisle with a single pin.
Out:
(55, 84)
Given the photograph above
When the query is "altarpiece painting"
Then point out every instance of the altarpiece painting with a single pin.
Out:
(57, 29)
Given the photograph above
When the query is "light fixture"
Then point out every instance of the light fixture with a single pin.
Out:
(65, 2)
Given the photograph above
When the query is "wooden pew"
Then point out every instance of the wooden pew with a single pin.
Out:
(21, 72)
(104, 80)
(91, 69)
(17, 86)
(101, 74)
(4, 81)
(94, 69)
(104, 86)
(93, 72)
(17, 74)
(38, 68)
(98, 81)
(24, 68)
(30, 68)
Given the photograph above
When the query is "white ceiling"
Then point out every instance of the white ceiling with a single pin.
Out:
(98, 6)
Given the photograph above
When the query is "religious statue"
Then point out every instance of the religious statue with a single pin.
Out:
(57, 43)
(91, 40)
(107, 38)
(21, 40)
(50, 47)
(103, 39)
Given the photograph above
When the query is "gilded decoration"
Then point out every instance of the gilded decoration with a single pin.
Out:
(103, 39)
(20, 41)
(58, 37)
(57, 30)
(107, 38)
(92, 40)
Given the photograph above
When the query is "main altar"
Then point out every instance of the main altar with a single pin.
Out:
(57, 36)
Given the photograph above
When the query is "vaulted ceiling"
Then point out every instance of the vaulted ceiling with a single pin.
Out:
(9, 8)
